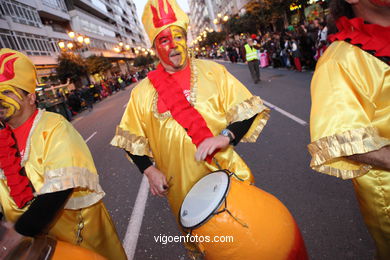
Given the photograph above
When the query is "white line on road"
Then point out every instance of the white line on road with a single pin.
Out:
(77, 119)
(134, 227)
(289, 115)
(89, 138)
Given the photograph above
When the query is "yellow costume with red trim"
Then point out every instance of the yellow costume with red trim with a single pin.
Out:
(351, 115)
(56, 158)
(144, 131)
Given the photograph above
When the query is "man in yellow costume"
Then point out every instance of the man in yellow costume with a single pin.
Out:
(350, 115)
(184, 112)
(48, 180)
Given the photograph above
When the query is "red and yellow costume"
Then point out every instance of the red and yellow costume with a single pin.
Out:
(151, 126)
(55, 158)
(351, 115)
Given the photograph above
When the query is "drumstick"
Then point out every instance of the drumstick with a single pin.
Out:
(166, 187)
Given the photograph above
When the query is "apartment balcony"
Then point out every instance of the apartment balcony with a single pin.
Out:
(99, 9)
(8, 23)
(84, 23)
(51, 33)
(54, 10)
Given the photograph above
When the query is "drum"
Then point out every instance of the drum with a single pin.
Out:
(41, 248)
(249, 222)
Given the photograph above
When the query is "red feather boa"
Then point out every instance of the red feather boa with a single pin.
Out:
(20, 187)
(181, 110)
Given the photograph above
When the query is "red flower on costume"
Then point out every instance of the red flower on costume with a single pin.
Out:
(19, 185)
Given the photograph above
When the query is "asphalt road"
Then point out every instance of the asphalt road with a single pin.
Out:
(324, 207)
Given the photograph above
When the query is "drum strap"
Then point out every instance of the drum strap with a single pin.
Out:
(242, 223)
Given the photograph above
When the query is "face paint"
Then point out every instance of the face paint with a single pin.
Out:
(171, 46)
(8, 105)
(384, 3)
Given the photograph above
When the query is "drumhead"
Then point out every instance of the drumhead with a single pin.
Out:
(204, 198)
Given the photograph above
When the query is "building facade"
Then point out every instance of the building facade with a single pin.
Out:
(35, 27)
(202, 16)
(211, 13)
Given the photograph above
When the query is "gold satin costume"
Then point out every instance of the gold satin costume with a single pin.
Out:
(221, 100)
(56, 158)
(351, 115)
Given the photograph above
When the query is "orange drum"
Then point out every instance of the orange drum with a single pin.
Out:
(220, 206)
(66, 251)
(42, 248)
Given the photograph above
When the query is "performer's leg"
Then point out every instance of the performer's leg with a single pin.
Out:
(373, 193)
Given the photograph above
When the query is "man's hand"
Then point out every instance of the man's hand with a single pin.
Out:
(379, 158)
(209, 145)
(157, 181)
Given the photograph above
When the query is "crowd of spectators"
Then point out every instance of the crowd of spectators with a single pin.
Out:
(83, 98)
(297, 47)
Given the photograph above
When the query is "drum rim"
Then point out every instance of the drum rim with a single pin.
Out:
(227, 172)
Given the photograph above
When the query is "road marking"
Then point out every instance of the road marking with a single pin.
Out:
(89, 138)
(77, 119)
(134, 227)
(289, 115)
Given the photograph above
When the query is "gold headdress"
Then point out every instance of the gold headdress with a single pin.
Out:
(160, 14)
(17, 70)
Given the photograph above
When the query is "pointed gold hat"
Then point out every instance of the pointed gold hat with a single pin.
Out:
(17, 70)
(160, 14)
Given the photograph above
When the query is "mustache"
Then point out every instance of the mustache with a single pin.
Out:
(174, 53)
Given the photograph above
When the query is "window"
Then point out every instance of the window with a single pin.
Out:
(30, 43)
(7, 40)
(2, 12)
(20, 13)
(55, 4)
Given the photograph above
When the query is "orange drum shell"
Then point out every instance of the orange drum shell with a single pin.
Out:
(66, 251)
(271, 234)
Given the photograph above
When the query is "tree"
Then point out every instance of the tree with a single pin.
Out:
(263, 15)
(98, 64)
(213, 37)
(71, 66)
(143, 61)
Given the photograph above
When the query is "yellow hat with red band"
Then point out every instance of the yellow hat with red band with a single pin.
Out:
(17, 70)
(160, 14)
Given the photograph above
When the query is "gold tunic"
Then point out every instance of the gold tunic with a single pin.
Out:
(56, 158)
(221, 100)
(351, 115)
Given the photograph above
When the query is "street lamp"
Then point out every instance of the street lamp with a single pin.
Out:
(61, 44)
(78, 41)
(220, 20)
(71, 34)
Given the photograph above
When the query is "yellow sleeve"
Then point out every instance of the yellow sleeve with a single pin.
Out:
(130, 134)
(240, 104)
(341, 117)
(67, 163)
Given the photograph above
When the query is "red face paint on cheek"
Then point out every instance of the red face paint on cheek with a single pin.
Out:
(385, 3)
(164, 44)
